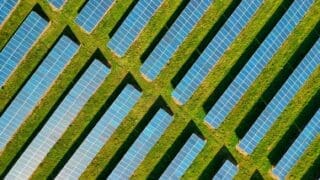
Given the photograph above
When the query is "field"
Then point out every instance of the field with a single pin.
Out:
(188, 118)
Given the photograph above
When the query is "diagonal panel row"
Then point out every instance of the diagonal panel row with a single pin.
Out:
(296, 150)
(227, 171)
(214, 51)
(184, 158)
(57, 3)
(175, 36)
(92, 13)
(257, 62)
(142, 145)
(20, 44)
(133, 25)
(36, 87)
(6, 7)
(280, 101)
(59, 121)
(100, 134)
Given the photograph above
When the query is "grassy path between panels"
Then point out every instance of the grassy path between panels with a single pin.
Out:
(187, 119)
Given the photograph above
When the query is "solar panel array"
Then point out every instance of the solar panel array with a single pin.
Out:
(281, 100)
(20, 43)
(92, 13)
(57, 3)
(59, 121)
(214, 51)
(133, 25)
(142, 145)
(184, 158)
(226, 172)
(257, 62)
(296, 150)
(6, 7)
(99, 135)
(175, 36)
(36, 87)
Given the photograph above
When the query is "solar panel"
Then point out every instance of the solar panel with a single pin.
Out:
(296, 150)
(59, 121)
(36, 87)
(92, 13)
(133, 25)
(175, 36)
(226, 172)
(214, 51)
(257, 62)
(20, 43)
(280, 101)
(142, 145)
(57, 3)
(99, 135)
(184, 158)
(6, 7)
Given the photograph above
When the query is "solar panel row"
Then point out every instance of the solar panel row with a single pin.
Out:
(133, 25)
(184, 158)
(257, 62)
(280, 101)
(226, 172)
(59, 121)
(6, 7)
(100, 134)
(296, 150)
(142, 145)
(57, 3)
(92, 13)
(20, 43)
(175, 36)
(214, 51)
(36, 87)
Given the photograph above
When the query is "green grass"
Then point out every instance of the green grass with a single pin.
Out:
(192, 111)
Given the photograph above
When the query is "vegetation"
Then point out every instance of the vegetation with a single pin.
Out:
(187, 118)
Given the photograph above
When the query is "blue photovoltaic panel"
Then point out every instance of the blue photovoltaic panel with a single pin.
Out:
(36, 87)
(142, 145)
(184, 158)
(133, 25)
(226, 172)
(257, 62)
(296, 150)
(57, 3)
(280, 101)
(171, 41)
(6, 7)
(100, 134)
(92, 13)
(214, 51)
(20, 43)
(59, 121)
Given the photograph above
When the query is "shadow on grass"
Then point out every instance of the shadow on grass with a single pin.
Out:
(278, 81)
(205, 42)
(39, 10)
(67, 31)
(313, 172)
(174, 149)
(82, 6)
(246, 55)
(163, 31)
(294, 130)
(215, 164)
(256, 176)
(159, 103)
(123, 17)
(129, 79)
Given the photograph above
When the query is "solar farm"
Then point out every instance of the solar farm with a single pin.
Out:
(160, 89)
